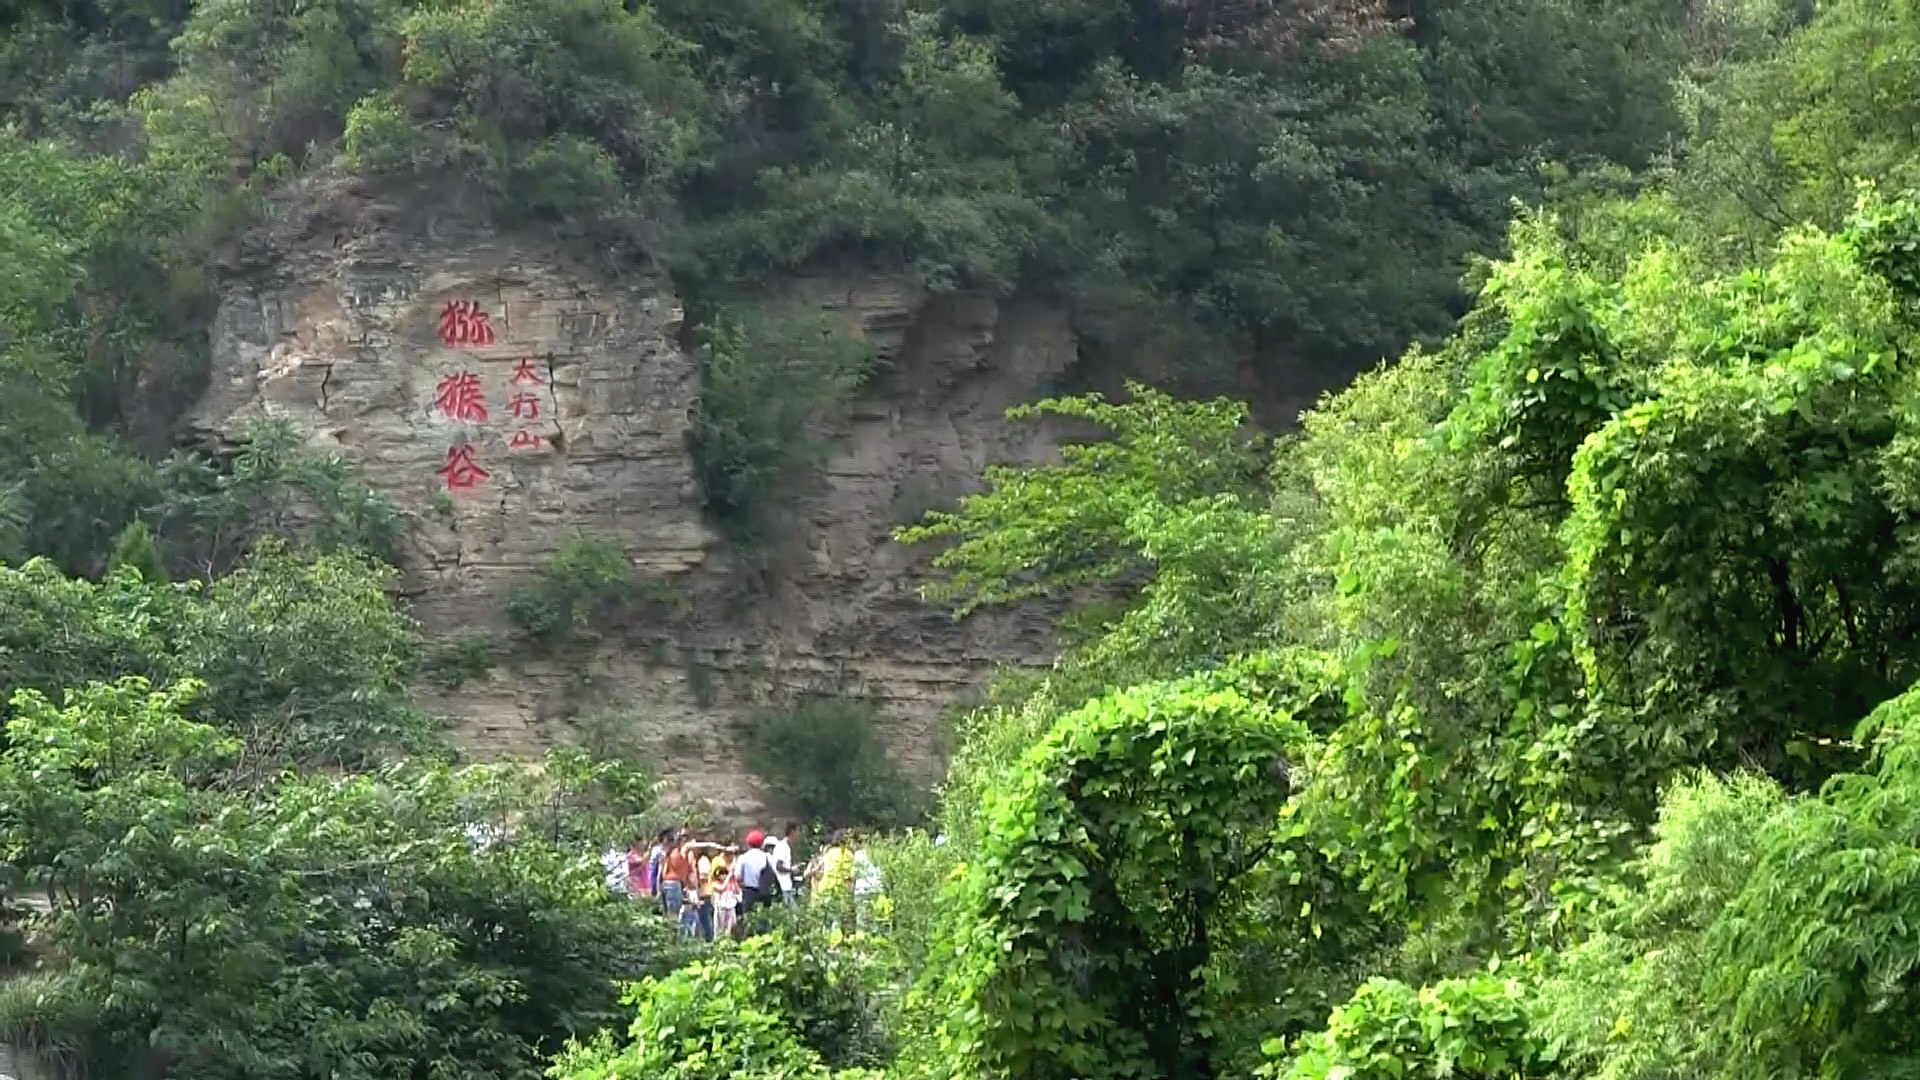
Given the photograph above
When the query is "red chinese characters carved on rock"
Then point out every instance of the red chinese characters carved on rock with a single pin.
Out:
(461, 471)
(459, 397)
(525, 406)
(462, 322)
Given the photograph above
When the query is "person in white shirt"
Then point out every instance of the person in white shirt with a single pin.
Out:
(867, 882)
(613, 865)
(783, 860)
(754, 866)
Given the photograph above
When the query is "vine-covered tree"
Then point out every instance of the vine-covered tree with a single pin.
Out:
(1109, 866)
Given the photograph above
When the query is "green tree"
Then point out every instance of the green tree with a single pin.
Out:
(306, 657)
(1611, 1004)
(352, 926)
(85, 242)
(1159, 529)
(1767, 619)
(1780, 130)
(769, 382)
(135, 549)
(825, 758)
(1085, 930)
(1759, 934)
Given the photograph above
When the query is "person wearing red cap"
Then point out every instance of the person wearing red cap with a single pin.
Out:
(755, 868)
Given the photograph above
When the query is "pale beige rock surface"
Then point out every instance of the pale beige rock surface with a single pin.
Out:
(332, 320)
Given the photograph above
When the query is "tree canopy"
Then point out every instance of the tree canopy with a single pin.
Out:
(1543, 705)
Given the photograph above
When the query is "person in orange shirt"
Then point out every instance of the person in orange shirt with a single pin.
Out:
(676, 879)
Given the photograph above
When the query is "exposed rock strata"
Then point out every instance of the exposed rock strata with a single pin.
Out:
(334, 322)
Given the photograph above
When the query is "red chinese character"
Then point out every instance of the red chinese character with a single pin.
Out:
(524, 440)
(460, 397)
(463, 323)
(525, 406)
(461, 471)
(525, 374)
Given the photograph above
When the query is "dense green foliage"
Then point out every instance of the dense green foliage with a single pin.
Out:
(1169, 509)
(305, 658)
(1544, 706)
(768, 383)
(226, 898)
(799, 1003)
(304, 927)
(1240, 184)
(1107, 882)
(825, 758)
(583, 586)
(1469, 1028)
(1607, 606)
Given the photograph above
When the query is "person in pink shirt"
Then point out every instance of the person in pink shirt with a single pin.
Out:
(639, 880)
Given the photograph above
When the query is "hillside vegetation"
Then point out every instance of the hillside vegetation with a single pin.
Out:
(1288, 189)
(1544, 706)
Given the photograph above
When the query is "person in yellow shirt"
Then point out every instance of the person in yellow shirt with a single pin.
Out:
(829, 875)
(726, 895)
(701, 855)
(703, 915)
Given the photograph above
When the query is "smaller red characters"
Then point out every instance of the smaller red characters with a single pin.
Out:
(525, 406)
(462, 322)
(524, 440)
(459, 396)
(462, 472)
(524, 374)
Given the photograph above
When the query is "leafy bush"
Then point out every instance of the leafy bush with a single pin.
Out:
(211, 512)
(135, 549)
(1759, 934)
(417, 918)
(1612, 1006)
(1474, 1029)
(787, 1003)
(910, 914)
(318, 669)
(305, 656)
(827, 761)
(450, 665)
(583, 587)
(769, 385)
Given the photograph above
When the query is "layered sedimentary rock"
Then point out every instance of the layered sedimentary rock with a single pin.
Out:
(509, 399)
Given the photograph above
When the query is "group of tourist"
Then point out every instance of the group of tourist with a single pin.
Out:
(715, 890)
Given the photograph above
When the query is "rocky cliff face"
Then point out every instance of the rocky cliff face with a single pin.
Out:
(508, 400)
